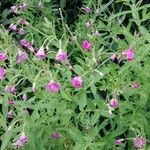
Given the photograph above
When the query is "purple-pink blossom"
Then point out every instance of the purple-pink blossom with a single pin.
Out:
(53, 87)
(21, 31)
(27, 44)
(10, 89)
(11, 102)
(77, 82)
(113, 57)
(10, 114)
(119, 141)
(135, 85)
(97, 34)
(23, 6)
(23, 138)
(41, 54)
(18, 144)
(12, 27)
(86, 45)
(87, 9)
(55, 135)
(61, 56)
(3, 56)
(139, 142)
(114, 103)
(21, 141)
(129, 54)
(2, 73)
(24, 22)
(22, 56)
(14, 9)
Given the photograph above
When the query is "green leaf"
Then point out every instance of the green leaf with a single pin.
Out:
(6, 138)
(93, 89)
(95, 117)
(145, 33)
(81, 100)
(79, 70)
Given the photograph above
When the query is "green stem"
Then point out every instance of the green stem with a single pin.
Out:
(37, 30)
(38, 75)
(63, 24)
(76, 41)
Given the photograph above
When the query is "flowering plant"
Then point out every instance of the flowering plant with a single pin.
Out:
(84, 87)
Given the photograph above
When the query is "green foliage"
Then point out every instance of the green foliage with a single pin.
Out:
(82, 116)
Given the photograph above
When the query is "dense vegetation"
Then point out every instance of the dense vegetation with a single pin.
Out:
(74, 75)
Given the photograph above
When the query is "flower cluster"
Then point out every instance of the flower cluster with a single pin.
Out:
(18, 8)
(27, 44)
(61, 56)
(55, 135)
(57, 79)
(21, 141)
(86, 45)
(139, 142)
(22, 56)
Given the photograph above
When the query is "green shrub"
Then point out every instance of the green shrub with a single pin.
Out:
(81, 86)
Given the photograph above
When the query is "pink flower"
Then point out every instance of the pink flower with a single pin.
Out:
(119, 141)
(21, 141)
(53, 87)
(24, 22)
(12, 27)
(116, 58)
(61, 56)
(135, 85)
(55, 135)
(76, 82)
(21, 31)
(23, 56)
(2, 73)
(10, 89)
(27, 44)
(24, 42)
(113, 57)
(86, 45)
(23, 138)
(11, 102)
(41, 54)
(129, 54)
(139, 142)
(17, 144)
(23, 7)
(10, 114)
(3, 56)
(114, 103)
(13, 9)
(97, 34)
(87, 9)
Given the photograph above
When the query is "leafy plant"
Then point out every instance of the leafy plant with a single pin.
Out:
(75, 86)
